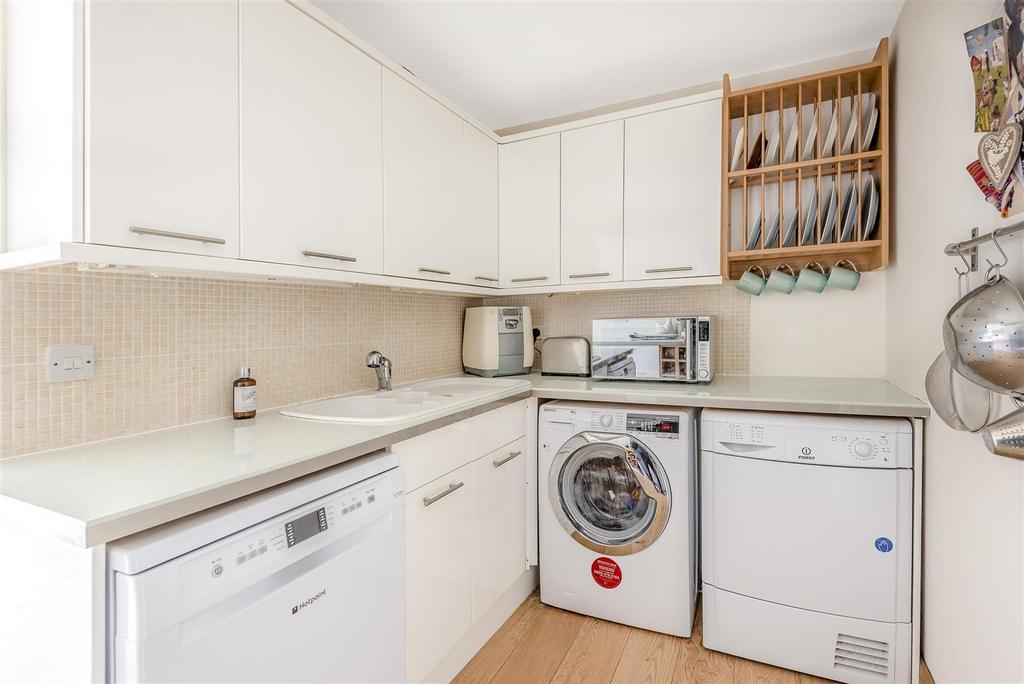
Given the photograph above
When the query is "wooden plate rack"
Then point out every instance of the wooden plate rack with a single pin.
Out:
(785, 185)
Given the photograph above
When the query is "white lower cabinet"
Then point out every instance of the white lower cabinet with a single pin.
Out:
(466, 528)
(439, 547)
(499, 530)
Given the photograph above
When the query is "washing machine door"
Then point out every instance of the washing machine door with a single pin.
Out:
(610, 492)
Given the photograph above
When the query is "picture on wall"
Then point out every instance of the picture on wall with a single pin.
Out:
(986, 47)
(1015, 35)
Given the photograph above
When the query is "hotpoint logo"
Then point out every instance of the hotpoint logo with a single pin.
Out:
(310, 601)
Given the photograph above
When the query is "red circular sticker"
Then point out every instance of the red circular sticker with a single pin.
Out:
(606, 572)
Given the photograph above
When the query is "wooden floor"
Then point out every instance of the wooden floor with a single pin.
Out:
(544, 644)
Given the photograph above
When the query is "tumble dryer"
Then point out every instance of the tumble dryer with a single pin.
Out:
(616, 493)
(808, 542)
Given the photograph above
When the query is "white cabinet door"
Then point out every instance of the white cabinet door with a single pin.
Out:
(423, 187)
(499, 523)
(592, 204)
(672, 193)
(480, 171)
(439, 541)
(311, 159)
(161, 118)
(528, 197)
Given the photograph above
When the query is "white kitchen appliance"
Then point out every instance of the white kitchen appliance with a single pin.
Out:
(497, 340)
(617, 518)
(305, 582)
(669, 348)
(807, 538)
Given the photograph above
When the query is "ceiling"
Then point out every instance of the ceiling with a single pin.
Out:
(514, 62)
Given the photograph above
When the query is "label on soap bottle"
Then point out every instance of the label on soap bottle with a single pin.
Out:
(245, 399)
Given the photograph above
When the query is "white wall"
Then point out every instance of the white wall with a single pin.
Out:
(833, 334)
(974, 501)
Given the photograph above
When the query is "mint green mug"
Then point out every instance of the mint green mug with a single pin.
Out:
(780, 281)
(840, 278)
(752, 283)
(811, 280)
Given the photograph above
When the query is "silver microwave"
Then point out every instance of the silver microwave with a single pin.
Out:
(665, 348)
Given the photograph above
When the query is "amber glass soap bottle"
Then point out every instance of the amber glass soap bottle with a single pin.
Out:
(244, 395)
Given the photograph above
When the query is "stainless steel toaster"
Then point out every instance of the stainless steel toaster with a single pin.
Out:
(565, 356)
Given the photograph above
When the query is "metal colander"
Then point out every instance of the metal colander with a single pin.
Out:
(960, 403)
(1005, 437)
(984, 336)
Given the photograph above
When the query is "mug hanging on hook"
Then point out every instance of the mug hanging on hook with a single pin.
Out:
(752, 283)
(840, 278)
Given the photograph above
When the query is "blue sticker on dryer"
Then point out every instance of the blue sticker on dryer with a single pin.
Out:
(883, 544)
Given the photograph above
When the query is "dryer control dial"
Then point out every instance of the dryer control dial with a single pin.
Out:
(862, 449)
(606, 420)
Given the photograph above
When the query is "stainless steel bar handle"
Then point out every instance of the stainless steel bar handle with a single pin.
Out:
(434, 270)
(206, 239)
(528, 280)
(427, 500)
(327, 255)
(485, 278)
(502, 461)
(671, 269)
(589, 275)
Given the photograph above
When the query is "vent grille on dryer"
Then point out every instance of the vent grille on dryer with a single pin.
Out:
(862, 656)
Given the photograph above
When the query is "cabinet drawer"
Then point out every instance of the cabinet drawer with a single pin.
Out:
(497, 428)
(430, 456)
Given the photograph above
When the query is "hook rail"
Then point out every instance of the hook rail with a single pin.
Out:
(970, 247)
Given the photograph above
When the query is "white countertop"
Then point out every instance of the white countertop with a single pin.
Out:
(844, 396)
(95, 493)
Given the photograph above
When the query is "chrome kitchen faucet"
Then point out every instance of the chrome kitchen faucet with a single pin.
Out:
(382, 365)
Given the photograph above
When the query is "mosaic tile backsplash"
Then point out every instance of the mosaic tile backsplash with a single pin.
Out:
(168, 348)
(571, 314)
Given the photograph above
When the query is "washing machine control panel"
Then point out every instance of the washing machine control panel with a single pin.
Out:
(653, 423)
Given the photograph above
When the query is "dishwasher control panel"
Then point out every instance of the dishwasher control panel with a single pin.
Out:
(279, 540)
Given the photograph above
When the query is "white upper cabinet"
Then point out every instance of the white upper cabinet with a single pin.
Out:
(528, 182)
(311, 158)
(672, 193)
(161, 117)
(592, 204)
(480, 174)
(424, 212)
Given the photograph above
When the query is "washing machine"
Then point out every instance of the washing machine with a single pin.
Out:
(617, 518)
(808, 542)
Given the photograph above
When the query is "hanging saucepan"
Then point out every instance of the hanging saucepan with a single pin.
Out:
(984, 334)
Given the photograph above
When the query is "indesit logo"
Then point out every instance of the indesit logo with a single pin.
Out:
(310, 601)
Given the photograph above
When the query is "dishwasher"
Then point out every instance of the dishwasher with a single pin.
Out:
(301, 583)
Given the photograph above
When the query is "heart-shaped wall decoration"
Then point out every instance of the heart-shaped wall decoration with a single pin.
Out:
(998, 151)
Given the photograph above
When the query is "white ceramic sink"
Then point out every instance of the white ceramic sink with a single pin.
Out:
(406, 402)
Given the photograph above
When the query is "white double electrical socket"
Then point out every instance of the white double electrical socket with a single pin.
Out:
(70, 362)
